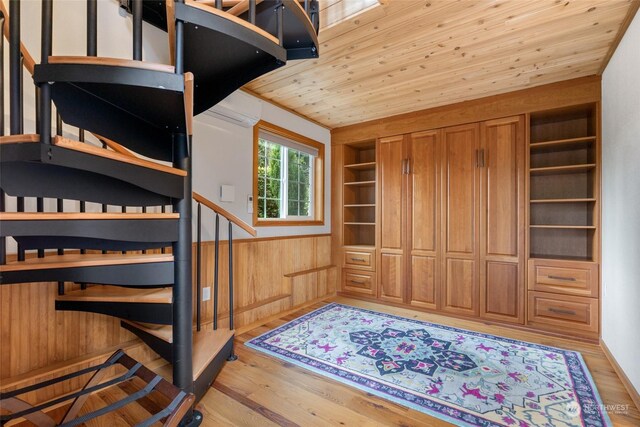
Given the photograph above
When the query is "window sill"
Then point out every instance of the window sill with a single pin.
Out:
(286, 223)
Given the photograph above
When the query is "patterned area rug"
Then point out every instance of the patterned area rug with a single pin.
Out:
(463, 377)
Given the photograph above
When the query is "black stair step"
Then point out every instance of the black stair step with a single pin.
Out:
(135, 304)
(210, 349)
(300, 35)
(100, 231)
(138, 104)
(223, 52)
(78, 171)
(153, 270)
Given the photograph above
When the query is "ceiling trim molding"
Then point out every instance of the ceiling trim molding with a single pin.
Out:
(275, 104)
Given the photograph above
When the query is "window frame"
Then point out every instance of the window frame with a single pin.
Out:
(317, 178)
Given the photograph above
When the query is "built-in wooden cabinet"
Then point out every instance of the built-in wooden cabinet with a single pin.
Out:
(392, 272)
(423, 219)
(564, 188)
(502, 219)
(358, 190)
(460, 157)
(497, 220)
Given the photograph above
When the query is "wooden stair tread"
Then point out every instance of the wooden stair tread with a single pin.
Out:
(14, 139)
(106, 293)
(114, 62)
(210, 9)
(66, 216)
(206, 344)
(60, 141)
(84, 260)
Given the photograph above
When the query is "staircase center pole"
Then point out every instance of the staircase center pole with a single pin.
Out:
(15, 77)
(182, 291)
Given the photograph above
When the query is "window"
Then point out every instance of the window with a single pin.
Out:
(288, 177)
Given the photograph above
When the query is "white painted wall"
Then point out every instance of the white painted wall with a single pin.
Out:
(222, 151)
(621, 204)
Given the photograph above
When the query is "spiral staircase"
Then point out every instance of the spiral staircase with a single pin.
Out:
(134, 264)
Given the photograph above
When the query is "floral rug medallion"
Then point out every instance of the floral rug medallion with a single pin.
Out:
(463, 377)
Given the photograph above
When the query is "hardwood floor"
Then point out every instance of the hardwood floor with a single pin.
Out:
(259, 390)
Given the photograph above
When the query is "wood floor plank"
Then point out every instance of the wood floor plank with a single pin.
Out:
(220, 409)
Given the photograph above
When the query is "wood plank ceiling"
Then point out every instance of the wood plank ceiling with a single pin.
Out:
(378, 60)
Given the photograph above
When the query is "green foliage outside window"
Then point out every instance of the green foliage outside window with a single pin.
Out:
(272, 158)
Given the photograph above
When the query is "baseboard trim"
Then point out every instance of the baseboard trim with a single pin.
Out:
(635, 396)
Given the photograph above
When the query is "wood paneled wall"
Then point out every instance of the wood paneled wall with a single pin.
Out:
(556, 95)
(34, 336)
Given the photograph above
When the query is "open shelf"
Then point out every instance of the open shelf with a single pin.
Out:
(579, 200)
(359, 194)
(556, 170)
(567, 227)
(563, 181)
(360, 183)
(574, 143)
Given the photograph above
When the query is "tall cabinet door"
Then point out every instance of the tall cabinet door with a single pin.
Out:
(423, 151)
(502, 223)
(392, 169)
(460, 219)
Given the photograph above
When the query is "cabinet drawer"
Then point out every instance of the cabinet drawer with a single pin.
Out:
(565, 314)
(360, 282)
(564, 277)
(359, 259)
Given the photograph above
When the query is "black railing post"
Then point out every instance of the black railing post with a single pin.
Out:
(252, 11)
(279, 23)
(45, 88)
(218, 4)
(20, 208)
(306, 7)
(2, 23)
(199, 268)
(216, 261)
(163, 250)
(182, 284)
(92, 27)
(3, 240)
(137, 30)
(15, 67)
(232, 356)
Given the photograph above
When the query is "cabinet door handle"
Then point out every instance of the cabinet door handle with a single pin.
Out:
(358, 259)
(404, 166)
(477, 158)
(357, 282)
(566, 279)
(482, 158)
(562, 311)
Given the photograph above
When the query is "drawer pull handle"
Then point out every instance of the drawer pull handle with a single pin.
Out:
(561, 311)
(566, 279)
(358, 259)
(357, 282)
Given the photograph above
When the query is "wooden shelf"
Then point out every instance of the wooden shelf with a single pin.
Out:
(361, 205)
(567, 227)
(359, 223)
(359, 183)
(582, 200)
(558, 170)
(563, 143)
(560, 257)
(362, 166)
(359, 247)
